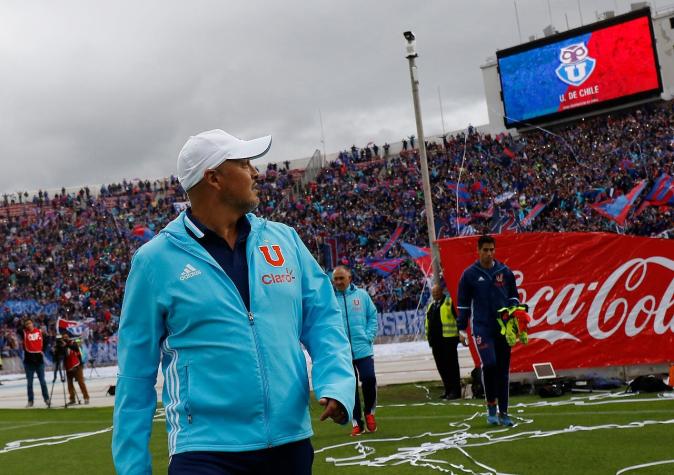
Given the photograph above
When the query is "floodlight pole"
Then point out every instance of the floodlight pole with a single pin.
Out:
(430, 221)
(324, 161)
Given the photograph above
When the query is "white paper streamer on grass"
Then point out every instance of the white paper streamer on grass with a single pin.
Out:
(54, 440)
(643, 465)
(418, 456)
(428, 391)
(461, 438)
(62, 439)
(593, 400)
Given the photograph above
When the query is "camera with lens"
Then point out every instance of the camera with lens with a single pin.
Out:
(60, 349)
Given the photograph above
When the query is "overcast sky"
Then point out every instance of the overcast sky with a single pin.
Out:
(92, 91)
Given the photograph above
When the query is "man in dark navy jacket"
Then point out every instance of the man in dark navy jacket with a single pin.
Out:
(486, 286)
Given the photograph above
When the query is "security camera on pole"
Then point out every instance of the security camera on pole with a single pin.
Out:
(411, 57)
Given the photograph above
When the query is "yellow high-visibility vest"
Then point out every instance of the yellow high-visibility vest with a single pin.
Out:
(447, 318)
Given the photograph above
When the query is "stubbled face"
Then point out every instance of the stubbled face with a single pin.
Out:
(486, 254)
(237, 184)
(436, 292)
(341, 279)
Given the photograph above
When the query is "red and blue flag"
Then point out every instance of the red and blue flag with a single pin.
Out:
(392, 240)
(662, 193)
(535, 211)
(618, 208)
(421, 256)
(461, 190)
(142, 233)
(384, 267)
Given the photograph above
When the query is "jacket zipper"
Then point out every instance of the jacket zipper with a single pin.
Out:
(187, 403)
(251, 320)
(263, 372)
(491, 282)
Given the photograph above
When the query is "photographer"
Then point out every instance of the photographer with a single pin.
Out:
(73, 365)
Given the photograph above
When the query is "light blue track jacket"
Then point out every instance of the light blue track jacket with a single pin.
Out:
(233, 380)
(359, 315)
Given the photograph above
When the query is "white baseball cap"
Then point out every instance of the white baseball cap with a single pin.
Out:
(209, 149)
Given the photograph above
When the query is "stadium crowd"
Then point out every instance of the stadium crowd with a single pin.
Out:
(68, 254)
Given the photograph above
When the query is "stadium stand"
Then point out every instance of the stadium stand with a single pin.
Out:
(67, 255)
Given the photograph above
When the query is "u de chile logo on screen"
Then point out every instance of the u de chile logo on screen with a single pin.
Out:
(575, 68)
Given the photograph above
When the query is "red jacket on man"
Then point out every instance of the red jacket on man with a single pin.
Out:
(73, 357)
(32, 341)
(32, 346)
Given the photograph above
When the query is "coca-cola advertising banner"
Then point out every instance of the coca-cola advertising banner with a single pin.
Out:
(595, 299)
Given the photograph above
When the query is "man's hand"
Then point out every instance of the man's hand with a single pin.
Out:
(463, 338)
(333, 409)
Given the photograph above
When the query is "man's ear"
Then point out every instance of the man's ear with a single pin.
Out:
(211, 178)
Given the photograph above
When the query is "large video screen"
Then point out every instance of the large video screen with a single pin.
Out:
(592, 67)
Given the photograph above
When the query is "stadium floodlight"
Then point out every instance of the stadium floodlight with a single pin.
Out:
(425, 181)
(411, 47)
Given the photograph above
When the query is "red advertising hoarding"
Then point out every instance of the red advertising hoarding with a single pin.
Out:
(595, 299)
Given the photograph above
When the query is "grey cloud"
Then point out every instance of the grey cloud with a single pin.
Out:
(92, 92)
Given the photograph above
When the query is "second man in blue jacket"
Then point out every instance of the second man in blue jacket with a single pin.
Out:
(360, 322)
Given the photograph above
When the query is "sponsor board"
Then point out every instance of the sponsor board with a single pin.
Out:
(595, 299)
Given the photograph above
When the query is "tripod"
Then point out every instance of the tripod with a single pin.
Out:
(92, 366)
(58, 370)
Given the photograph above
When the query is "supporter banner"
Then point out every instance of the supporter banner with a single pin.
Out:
(26, 307)
(103, 352)
(362, 165)
(409, 322)
(595, 299)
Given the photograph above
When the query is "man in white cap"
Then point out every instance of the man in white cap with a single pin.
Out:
(226, 298)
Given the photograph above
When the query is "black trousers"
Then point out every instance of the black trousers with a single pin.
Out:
(294, 458)
(446, 359)
(364, 369)
(494, 353)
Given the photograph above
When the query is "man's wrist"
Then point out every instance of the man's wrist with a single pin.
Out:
(344, 411)
(344, 415)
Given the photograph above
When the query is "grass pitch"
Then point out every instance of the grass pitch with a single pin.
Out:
(417, 435)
